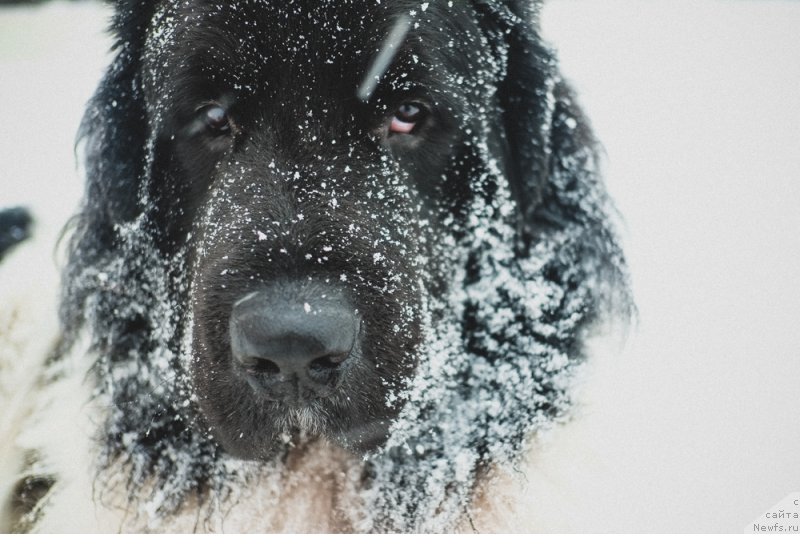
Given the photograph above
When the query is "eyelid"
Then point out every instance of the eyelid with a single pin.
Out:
(225, 100)
(401, 127)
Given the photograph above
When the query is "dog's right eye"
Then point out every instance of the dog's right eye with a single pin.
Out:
(215, 118)
(407, 117)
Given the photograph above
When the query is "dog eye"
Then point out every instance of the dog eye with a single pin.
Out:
(215, 118)
(407, 117)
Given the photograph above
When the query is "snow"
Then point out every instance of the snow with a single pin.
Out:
(697, 105)
(694, 428)
(47, 71)
(384, 58)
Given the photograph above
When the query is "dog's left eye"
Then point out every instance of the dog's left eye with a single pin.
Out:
(215, 118)
(407, 117)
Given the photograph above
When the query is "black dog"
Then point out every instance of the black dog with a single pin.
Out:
(15, 224)
(377, 224)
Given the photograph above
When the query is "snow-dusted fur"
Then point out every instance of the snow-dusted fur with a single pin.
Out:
(490, 292)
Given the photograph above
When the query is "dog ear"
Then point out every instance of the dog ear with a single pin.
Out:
(114, 129)
(553, 162)
(112, 139)
(527, 100)
(130, 21)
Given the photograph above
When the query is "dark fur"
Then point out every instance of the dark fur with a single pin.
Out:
(167, 210)
(15, 227)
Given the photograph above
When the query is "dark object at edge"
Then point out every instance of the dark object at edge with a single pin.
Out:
(15, 227)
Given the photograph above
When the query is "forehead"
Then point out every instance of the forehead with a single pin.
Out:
(249, 40)
(280, 31)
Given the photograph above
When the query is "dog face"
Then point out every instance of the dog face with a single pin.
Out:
(314, 219)
(278, 241)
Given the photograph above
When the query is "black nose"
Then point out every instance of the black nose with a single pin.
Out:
(294, 343)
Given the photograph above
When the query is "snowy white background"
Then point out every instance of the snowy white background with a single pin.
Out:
(696, 426)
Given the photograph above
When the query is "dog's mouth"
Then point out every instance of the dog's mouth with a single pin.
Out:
(302, 360)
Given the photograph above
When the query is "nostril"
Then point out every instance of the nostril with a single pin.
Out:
(326, 370)
(330, 362)
(265, 367)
